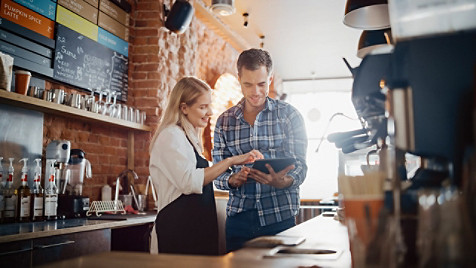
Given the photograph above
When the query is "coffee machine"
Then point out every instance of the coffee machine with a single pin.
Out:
(71, 202)
(427, 85)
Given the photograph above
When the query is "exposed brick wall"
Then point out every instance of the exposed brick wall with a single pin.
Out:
(157, 59)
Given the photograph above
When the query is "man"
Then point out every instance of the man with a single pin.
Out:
(259, 203)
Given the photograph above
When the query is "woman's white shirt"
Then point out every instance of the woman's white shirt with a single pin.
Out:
(173, 166)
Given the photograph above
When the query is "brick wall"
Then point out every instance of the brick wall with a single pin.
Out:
(157, 59)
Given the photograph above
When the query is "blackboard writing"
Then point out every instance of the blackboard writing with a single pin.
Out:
(84, 63)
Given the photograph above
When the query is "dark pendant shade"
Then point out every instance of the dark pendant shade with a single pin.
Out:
(179, 17)
(367, 14)
(370, 40)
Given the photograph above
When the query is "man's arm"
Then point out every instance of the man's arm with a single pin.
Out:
(220, 152)
(297, 146)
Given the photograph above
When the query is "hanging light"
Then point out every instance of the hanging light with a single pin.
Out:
(367, 14)
(370, 40)
(223, 7)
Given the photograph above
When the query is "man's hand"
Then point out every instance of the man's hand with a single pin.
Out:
(239, 178)
(278, 180)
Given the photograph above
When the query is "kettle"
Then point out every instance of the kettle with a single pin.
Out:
(77, 165)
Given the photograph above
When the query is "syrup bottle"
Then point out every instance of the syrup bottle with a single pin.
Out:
(51, 193)
(24, 195)
(37, 194)
(9, 213)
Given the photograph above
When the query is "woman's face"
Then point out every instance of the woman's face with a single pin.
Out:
(199, 112)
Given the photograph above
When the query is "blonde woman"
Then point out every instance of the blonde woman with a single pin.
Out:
(186, 222)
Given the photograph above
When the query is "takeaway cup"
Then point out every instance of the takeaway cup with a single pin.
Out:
(22, 81)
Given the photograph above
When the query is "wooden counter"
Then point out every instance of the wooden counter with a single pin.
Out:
(30, 230)
(320, 232)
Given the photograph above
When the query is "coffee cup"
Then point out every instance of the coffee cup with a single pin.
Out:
(22, 81)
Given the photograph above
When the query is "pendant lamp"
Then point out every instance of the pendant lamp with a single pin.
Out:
(370, 40)
(222, 7)
(367, 14)
(179, 17)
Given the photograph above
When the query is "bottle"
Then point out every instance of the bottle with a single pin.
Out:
(10, 196)
(37, 194)
(2, 186)
(51, 193)
(24, 196)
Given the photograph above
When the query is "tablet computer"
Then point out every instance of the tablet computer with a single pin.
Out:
(277, 164)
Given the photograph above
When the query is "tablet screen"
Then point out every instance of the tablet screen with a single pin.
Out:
(277, 164)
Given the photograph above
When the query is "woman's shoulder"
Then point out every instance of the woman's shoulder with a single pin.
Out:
(172, 133)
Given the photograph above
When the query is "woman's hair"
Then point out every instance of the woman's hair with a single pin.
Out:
(187, 91)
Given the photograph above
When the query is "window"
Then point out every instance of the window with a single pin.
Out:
(319, 101)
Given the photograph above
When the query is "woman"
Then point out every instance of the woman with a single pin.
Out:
(187, 222)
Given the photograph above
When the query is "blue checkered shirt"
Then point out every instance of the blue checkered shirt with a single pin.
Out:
(278, 132)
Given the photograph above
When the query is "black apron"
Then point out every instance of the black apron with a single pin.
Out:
(189, 224)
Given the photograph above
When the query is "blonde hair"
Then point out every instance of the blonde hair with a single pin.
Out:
(187, 90)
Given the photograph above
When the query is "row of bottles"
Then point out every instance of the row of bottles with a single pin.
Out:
(24, 204)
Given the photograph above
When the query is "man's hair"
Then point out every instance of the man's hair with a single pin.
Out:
(253, 59)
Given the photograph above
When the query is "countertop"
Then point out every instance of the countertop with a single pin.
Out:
(29, 230)
(320, 233)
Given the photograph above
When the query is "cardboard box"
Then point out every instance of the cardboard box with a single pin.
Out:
(81, 8)
(123, 4)
(27, 18)
(21, 42)
(14, 50)
(94, 3)
(75, 22)
(44, 7)
(114, 12)
(113, 26)
(113, 42)
(26, 33)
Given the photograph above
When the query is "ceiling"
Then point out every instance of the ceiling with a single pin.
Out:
(306, 38)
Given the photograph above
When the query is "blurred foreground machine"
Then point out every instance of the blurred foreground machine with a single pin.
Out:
(418, 99)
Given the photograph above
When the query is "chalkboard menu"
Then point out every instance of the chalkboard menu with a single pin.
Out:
(84, 63)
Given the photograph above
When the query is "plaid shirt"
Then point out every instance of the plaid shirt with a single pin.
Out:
(278, 132)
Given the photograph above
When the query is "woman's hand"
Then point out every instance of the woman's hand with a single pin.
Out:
(249, 157)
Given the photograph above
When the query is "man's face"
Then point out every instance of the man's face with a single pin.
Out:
(255, 86)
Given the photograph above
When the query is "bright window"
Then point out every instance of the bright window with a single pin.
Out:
(319, 101)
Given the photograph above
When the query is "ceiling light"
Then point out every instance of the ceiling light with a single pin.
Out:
(370, 40)
(367, 14)
(223, 7)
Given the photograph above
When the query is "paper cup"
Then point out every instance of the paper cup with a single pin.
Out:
(22, 81)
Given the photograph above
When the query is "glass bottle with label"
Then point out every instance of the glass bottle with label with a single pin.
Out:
(37, 194)
(9, 213)
(24, 195)
(51, 193)
(2, 186)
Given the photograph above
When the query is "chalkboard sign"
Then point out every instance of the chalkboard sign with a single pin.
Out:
(84, 63)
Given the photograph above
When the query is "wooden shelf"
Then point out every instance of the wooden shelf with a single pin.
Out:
(36, 104)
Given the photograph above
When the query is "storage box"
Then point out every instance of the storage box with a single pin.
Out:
(44, 7)
(21, 42)
(75, 22)
(81, 8)
(27, 18)
(26, 33)
(17, 51)
(113, 26)
(113, 42)
(410, 18)
(114, 12)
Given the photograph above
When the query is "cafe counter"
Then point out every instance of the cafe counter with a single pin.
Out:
(322, 234)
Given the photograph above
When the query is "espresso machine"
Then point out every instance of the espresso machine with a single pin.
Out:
(417, 100)
(68, 168)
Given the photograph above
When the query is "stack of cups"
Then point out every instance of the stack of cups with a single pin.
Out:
(22, 81)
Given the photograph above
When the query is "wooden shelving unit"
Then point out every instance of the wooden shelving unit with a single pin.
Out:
(36, 104)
